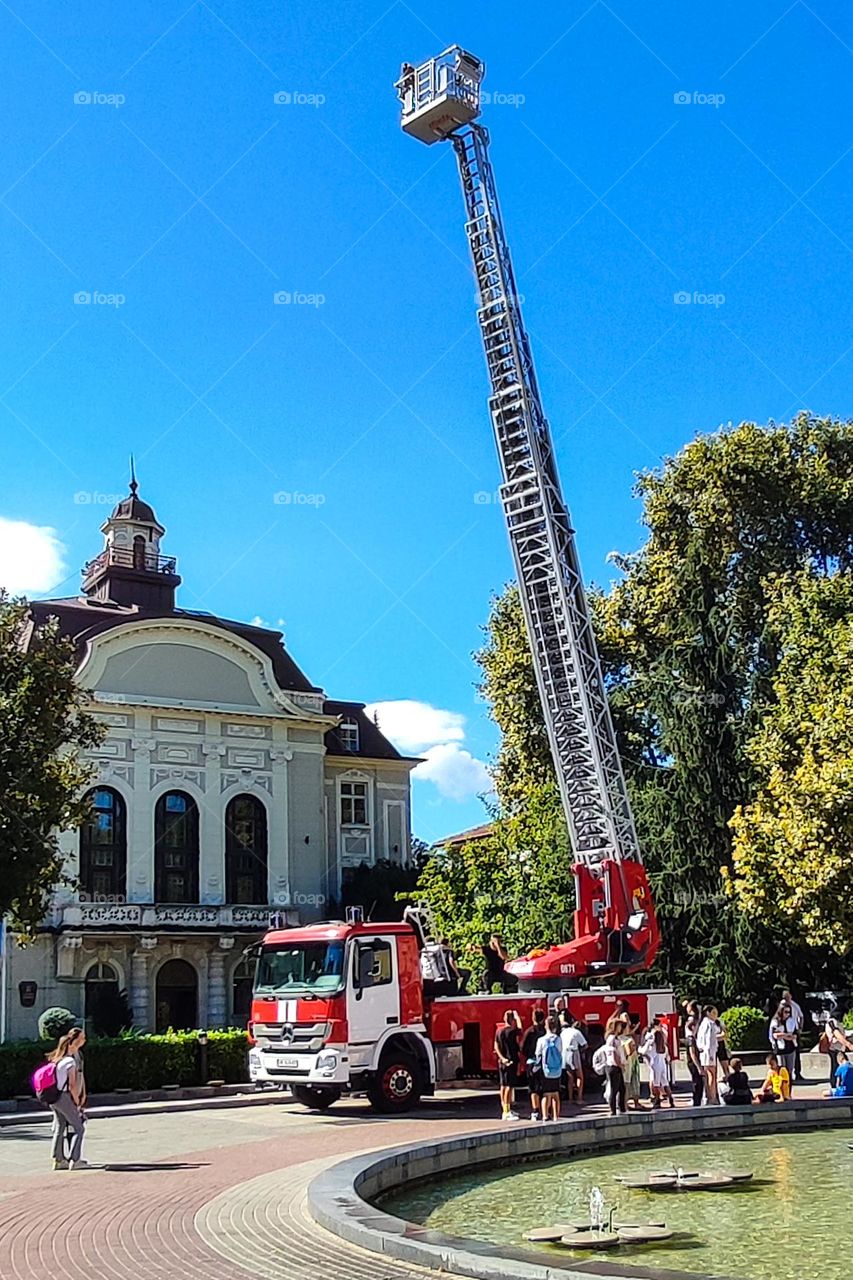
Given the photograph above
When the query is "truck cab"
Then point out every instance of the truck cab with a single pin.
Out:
(339, 1006)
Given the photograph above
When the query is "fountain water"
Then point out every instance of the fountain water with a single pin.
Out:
(596, 1209)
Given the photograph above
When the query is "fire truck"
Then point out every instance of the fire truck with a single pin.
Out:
(345, 1005)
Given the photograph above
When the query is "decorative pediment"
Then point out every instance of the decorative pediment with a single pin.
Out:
(185, 662)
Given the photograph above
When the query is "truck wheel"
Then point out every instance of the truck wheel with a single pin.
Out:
(397, 1085)
(316, 1099)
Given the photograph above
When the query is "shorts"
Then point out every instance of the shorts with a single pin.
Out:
(534, 1079)
(550, 1084)
(508, 1076)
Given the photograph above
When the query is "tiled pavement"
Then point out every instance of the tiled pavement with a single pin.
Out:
(203, 1196)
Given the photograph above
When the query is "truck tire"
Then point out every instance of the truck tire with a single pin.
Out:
(317, 1099)
(397, 1085)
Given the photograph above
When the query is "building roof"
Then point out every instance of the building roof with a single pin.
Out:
(371, 741)
(80, 619)
(133, 508)
(466, 837)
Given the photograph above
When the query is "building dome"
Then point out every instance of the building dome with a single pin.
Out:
(133, 508)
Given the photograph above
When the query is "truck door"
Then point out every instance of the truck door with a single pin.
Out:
(373, 995)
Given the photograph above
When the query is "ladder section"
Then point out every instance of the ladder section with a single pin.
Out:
(568, 671)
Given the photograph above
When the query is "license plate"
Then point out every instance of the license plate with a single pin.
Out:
(287, 1064)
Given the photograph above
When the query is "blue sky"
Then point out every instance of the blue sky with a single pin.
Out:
(178, 190)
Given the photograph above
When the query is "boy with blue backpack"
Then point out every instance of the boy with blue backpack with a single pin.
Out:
(549, 1061)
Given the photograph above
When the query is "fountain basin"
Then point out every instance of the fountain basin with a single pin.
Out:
(343, 1199)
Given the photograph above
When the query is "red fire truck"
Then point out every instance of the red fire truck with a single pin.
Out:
(343, 1006)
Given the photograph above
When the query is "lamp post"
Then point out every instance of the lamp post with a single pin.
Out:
(202, 1055)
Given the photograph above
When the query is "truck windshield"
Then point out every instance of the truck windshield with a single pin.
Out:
(308, 968)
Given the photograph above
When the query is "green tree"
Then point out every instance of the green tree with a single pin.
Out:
(793, 845)
(690, 655)
(516, 882)
(43, 725)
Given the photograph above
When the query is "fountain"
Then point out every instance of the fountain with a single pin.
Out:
(600, 1232)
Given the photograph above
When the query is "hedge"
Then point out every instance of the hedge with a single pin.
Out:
(746, 1029)
(134, 1062)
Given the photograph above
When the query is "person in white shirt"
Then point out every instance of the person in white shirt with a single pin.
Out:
(707, 1039)
(783, 1036)
(68, 1107)
(797, 1011)
(574, 1042)
(614, 1066)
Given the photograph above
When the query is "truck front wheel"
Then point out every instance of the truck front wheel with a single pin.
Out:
(397, 1085)
(316, 1099)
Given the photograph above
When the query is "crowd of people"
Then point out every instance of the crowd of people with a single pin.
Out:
(551, 1056)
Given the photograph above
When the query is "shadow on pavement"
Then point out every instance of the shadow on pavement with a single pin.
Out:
(158, 1166)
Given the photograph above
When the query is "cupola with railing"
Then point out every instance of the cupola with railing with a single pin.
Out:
(130, 570)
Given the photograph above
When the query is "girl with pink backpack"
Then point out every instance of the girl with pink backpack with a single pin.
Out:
(59, 1084)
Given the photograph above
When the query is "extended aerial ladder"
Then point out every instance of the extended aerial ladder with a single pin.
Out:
(615, 925)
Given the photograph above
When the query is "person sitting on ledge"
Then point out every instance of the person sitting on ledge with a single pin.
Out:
(738, 1092)
(843, 1086)
(777, 1083)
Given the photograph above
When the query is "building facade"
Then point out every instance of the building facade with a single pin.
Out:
(227, 789)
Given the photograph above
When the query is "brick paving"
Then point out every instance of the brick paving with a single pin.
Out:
(203, 1196)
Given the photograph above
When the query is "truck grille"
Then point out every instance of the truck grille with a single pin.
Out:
(304, 1037)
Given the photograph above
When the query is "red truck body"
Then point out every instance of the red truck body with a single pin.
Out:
(343, 1007)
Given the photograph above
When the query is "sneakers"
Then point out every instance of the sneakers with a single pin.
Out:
(534, 1115)
(60, 1164)
(79, 1164)
(510, 1115)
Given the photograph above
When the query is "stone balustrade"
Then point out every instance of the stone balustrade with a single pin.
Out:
(112, 915)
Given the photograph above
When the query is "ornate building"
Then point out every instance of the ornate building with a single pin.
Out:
(228, 788)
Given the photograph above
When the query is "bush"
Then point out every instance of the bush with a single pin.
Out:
(847, 1020)
(54, 1023)
(746, 1028)
(134, 1062)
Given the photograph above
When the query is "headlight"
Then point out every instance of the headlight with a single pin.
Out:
(327, 1061)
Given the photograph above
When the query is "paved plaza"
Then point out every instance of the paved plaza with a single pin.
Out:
(214, 1195)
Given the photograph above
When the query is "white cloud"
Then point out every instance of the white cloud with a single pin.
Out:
(417, 728)
(454, 771)
(32, 559)
(414, 726)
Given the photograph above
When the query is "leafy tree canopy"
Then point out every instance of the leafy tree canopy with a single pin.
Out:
(793, 846)
(42, 727)
(690, 654)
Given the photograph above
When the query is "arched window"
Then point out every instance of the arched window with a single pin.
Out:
(139, 552)
(242, 981)
(103, 847)
(246, 851)
(176, 848)
(101, 993)
(176, 996)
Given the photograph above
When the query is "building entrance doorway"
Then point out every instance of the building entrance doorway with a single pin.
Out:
(177, 997)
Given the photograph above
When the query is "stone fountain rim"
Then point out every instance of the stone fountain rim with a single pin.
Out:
(340, 1198)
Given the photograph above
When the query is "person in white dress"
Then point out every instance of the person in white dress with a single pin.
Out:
(656, 1056)
(707, 1039)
